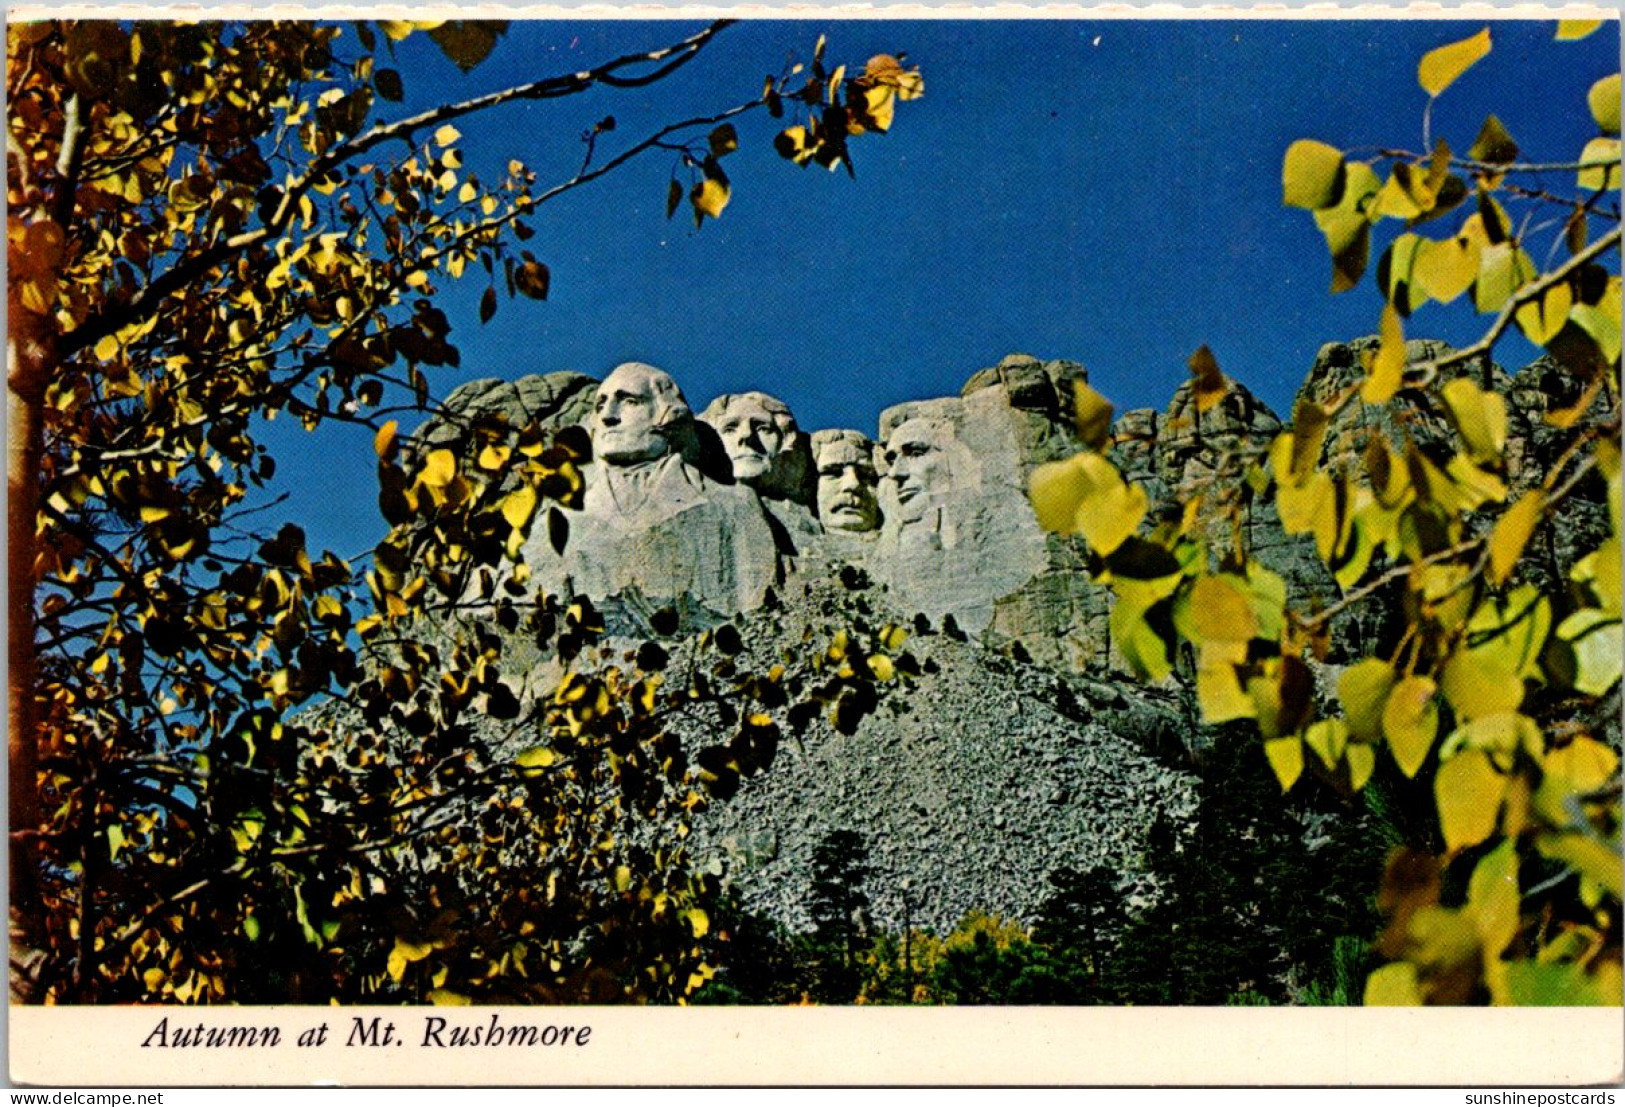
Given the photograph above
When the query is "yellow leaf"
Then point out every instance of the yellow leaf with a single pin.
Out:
(446, 135)
(882, 667)
(1593, 858)
(1569, 30)
(442, 997)
(1476, 685)
(1220, 612)
(1480, 418)
(1219, 694)
(1092, 415)
(1347, 227)
(1512, 532)
(384, 441)
(1206, 380)
(1468, 792)
(1604, 101)
(698, 922)
(1439, 68)
(1492, 894)
(1286, 758)
(1056, 489)
(1107, 518)
(537, 757)
(880, 104)
(709, 197)
(1583, 765)
(1393, 986)
(1388, 368)
(1328, 738)
(519, 506)
(1541, 319)
(1410, 720)
(438, 468)
(1363, 689)
(1361, 761)
(1446, 269)
(1601, 155)
(1312, 175)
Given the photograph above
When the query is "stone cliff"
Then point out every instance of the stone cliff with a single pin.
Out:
(1021, 748)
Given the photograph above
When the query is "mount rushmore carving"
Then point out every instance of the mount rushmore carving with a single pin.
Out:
(718, 509)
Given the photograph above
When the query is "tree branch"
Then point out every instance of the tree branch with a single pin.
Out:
(1424, 373)
(187, 272)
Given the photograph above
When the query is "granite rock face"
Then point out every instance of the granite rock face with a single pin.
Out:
(1023, 747)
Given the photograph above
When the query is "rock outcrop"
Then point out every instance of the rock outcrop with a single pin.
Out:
(1021, 748)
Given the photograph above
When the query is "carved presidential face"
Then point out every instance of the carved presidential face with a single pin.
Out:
(631, 413)
(753, 434)
(920, 462)
(846, 484)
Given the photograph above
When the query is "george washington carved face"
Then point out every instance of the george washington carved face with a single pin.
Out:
(634, 414)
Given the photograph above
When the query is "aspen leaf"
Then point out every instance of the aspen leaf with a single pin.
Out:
(1493, 144)
(1601, 158)
(1108, 517)
(438, 468)
(1393, 985)
(1542, 318)
(1439, 68)
(1568, 30)
(1492, 893)
(1286, 758)
(1476, 686)
(1206, 380)
(1220, 612)
(444, 997)
(1220, 695)
(1480, 417)
(1593, 858)
(723, 140)
(1329, 739)
(698, 922)
(1361, 760)
(1388, 367)
(1092, 415)
(1503, 268)
(519, 506)
(1444, 270)
(709, 197)
(1604, 102)
(1312, 175)
(1583, 765)
(1410, 721)
(1363, 689)
(1595, 639)
(1468, 792)
(1512, 532)
(446, 135)
(1056, 489)
(1347, 228)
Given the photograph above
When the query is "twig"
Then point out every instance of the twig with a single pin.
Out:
(1423, 374)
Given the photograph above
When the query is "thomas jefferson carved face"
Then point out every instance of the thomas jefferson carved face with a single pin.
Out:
(846, 481)
(921, 456)
(633, 414)
(755, 430)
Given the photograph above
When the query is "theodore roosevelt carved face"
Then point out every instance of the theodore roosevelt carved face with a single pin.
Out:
(846, 481)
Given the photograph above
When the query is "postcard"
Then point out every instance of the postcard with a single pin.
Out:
(895, 546)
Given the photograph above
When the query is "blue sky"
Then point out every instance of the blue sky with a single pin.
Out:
(1101, 190)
